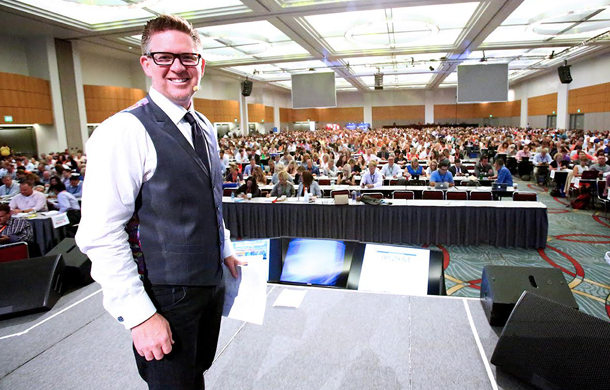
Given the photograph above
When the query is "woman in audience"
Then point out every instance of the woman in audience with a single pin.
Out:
(259, 175)
(309, 185)
(283, 186)
(558, 162)
(433, 166)
(361, 163)
(414, 168)
(249, 188)
(66, 202)
(233, 176)
(345, 176)
(580, 165)
(356, 168)
(292, 168)
(299, 175)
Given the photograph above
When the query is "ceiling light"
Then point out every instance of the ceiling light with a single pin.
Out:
(418, 26)
(535, 24)
(92, 3)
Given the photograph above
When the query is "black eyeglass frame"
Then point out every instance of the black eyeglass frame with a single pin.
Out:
(174, 56)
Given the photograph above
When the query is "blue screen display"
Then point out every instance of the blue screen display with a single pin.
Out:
(313, 262)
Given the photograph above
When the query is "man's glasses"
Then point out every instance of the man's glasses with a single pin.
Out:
(167, 59)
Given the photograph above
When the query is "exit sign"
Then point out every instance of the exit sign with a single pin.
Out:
(8, 118)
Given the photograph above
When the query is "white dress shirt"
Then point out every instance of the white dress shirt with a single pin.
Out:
(37, 201)
(376, 179)
(392, 171)
(121, 157)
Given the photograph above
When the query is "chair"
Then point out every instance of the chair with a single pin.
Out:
(228, 191)
(376, 195)
(14, 251)
(393, 182)
(433, 194)
(339, 192)
(456, 195)
(416, 183)
(525, 197)
(324, 182)
(601, 186)
(403, 195)
(480, 195)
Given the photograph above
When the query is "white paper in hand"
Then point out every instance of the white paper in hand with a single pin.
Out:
(245, 297)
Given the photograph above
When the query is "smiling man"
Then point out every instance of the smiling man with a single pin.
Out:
(157, 252)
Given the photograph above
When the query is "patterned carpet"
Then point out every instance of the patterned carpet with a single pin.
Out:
(577, 243)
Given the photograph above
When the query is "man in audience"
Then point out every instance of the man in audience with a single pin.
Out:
(28, 200)
(391, 170)
(331, 169)
(442, 174)
(456, 169)
(601, 166)
(13, 229)
(250, 167)
(372, 177)
(66, 174)
(9, 187)
(541, 165)
(75, 187)
(483, 167)
(241, 157)
(503, 175)
(312, 168)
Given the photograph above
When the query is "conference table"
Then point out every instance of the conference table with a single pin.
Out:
(409, 222)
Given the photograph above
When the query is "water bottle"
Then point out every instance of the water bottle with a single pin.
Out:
(232, 196)
(354, 196)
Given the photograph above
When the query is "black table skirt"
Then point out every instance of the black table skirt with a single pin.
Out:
(460, 225)
(45, 236)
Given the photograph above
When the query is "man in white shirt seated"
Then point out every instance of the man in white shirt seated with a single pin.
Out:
(250, 167)
(241, 157)
(370, 156)
(372, 178)
(542, 159)
(331, 169)
(9, 187)
(28, 200)
(391, 170)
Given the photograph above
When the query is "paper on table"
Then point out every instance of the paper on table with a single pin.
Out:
(290, 298)
(245, 297)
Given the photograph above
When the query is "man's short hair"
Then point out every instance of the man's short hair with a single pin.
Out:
(444, 163)
(28, 182)
(500, 162)
(5, 207)
(457, 160)
(372, 163)
(165, 23)
(544, 150)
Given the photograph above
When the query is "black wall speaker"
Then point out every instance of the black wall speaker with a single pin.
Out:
(30, 285)
(78, 265)
(553, 346)
(564, 74)
(501, 287)
(246, 87)
(378, 80)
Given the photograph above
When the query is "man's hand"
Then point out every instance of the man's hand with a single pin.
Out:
(370, 185)
(153, 337)
(15, 211)
(231, 262)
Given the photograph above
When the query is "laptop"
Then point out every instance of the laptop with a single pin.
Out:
(590, 175)
(499, 186)
(441, 185)
(341, 199)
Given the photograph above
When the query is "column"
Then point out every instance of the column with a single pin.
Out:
(524, 106)
(368, 108)
(276, 116)
(429, 107)
(563, 117)
(243, 113)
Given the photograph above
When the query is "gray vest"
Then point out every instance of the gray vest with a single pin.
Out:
(176, 233)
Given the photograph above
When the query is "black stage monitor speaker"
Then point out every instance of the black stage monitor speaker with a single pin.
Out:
(30, 285)
(246, 87)
(564, 74)
(553, 346)
(78, 265)
(501, 287)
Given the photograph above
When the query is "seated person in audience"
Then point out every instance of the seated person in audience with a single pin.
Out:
(75, 187)
(234, 175)
(346, 176)
(66, 174)
(442, 174)
(483, 167)
(457, 169)
(270, 168)
(299, 175)
(601, 166)
(541, 159)
(309, 185)
(372, 178)
(292, 168)
(558, 162)
(28, 200)
(414, 168)
(312, 168)
(250, 167)
(330, 170)
(433, 166)
(580, 165)
(503, 176)
(224, 161)
(67, 203)
(383, 154)
(241, 157)
(370, 156)
(45, 180)
(280, 168)
(391, 170)
(525, 152)
(9, 187)
(13, 229)
(357, 164)
(260, 177)
(283, 186)
(249, 187)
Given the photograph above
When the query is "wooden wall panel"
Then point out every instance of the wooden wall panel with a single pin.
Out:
(269, 117)
(326, 115)
(478, 110)
(101, 102)
(403, 113)
(595, 98)
(26, 99)
(542, 105)
(256, 113)
(286, 115)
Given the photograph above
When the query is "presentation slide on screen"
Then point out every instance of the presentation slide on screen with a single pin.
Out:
(254, 251)
(395, 270)
(313, 262)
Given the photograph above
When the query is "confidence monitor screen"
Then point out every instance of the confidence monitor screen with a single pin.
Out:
(311, 90)
(316, 262)
(395, 270)
(481, 83)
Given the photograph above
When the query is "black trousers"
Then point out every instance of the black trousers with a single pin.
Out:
(194, 316)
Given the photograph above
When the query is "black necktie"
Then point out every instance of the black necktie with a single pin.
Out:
(199, 142)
